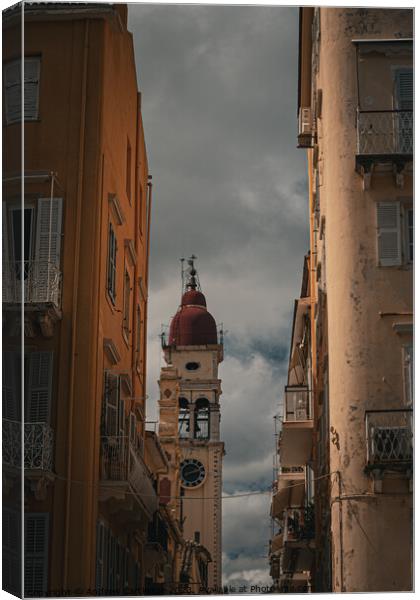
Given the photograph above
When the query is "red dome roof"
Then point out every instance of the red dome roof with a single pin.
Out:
(193, 297)
(192, 325)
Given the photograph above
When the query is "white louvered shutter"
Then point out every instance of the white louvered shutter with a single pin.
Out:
(11, 408)
(47, 246)
(36, 553)
(12, 91)
(389, 233)
(404, 100)
(31, 89)
(12, 561)
(38, 391)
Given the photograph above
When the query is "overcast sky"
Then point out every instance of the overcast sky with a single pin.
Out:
(219, 89)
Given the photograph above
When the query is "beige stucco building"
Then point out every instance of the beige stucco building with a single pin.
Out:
(189, 426)
(356, 120)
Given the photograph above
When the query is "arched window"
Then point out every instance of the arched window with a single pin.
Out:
(202, 419)
(183, 418)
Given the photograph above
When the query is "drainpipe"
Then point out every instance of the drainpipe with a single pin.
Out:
(137, 177)
(74, 304)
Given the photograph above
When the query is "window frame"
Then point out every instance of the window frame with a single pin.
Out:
(128, 173)
(408, 383)
(34, 116)
(43, 555)
(126, 304)
(184, 418)
(111, 284)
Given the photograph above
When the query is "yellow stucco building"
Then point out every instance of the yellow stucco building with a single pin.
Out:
(77, 249)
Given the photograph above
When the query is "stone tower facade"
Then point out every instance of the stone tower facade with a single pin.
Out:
(193, 354)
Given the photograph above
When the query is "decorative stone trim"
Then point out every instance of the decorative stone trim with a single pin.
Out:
(128, 244)
(126, 381)
(142, 288)
(111, 350)
(116, 208)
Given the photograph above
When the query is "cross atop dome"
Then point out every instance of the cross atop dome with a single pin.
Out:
(192, 324)
(190, 280)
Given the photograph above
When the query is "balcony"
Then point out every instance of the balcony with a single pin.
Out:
(298, 536)
(296, 435)
(290, 490)
(384, 136)
(38, 446)
(38, 285)
(125, 479)
(41, 283)
(389, 440)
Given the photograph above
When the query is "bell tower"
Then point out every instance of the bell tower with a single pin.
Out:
(194, 353)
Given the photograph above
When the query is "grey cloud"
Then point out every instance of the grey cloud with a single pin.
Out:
(219, 87)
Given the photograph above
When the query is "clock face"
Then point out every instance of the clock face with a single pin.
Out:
(192, 472)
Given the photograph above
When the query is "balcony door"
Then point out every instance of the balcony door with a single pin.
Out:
(21, 246)
(34, 249)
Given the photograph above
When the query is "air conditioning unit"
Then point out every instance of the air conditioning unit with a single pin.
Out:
(305, 121)
(391, 444)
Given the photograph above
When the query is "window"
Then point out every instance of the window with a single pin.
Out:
(128, 172)
(389, 233)
(40, 261)
(112, 264)
(404, 89)
(201, 419)
(404, 103)
(192, 366)
(183, 418)
(140, 209)
(133, 428)
(138, 336)
(395, 232)
(111, 404)
(36, 554)
(13, 89)
(113, 410)
(12, 364)
(38, 379)
(408, 370)
(126, 309)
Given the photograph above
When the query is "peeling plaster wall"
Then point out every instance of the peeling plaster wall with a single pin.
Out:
(364, 351)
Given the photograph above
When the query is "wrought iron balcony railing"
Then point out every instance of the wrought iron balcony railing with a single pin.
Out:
(38, 281)
(38, 445)
(389, 438)
(385, 132)
(122, 462)
(297, 403)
